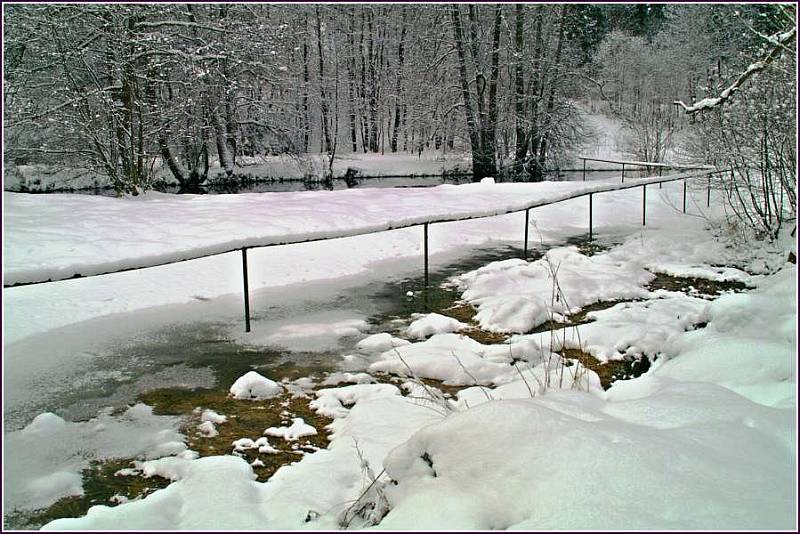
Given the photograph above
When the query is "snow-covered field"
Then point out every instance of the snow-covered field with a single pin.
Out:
(705, 440)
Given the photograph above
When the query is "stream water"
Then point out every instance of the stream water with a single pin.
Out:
(284, 185)
(213, 353)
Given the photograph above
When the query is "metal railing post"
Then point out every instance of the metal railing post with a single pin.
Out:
(584, 170)
(590, 216)
(708, 192)
(425, 247)
(623, 173)
(246, 291)
(527, 219)
(644, 203)
(684, 195)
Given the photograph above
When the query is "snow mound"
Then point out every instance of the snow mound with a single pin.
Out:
(451, 358)
(298, 429)
(207, 429)
(514, 464)
(186, 504)
(378, 343)
(516, 296)
(434, 323)
(213, 417)
(627, 329)
(333, 402)
(749, 345)
(253, 386)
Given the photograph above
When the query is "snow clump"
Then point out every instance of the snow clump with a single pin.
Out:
(253, 386)
(297, 430)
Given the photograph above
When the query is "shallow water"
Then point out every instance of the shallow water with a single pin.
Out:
(212, 354)
(285, 185)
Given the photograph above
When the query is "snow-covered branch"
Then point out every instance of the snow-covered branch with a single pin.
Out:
(778, 41)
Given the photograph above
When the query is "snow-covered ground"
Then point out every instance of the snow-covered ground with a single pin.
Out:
(653, 452)
(534, 445)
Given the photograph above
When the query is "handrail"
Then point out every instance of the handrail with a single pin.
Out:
(586, 191)
(647, 164)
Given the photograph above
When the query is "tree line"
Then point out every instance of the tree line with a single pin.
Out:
(122, 88)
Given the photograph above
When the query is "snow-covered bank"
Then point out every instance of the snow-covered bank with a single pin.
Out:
(59, 237)
(20, 178)
(651, 453)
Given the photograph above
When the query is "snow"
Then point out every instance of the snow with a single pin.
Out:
(516, 296)
(315, 332)
(58, 237)
(243, 444)
(333, 402)
(264, 446)
(278, 273)
(531, 466)
(433, 323)
(298, 429)
(377, 343)
(523, 457)
(50, 453)
(207, 429)
(335, 379)
(213, 417)
(326, 481)
(253, 386)
(705, 440)
(167, 508)
(451, 358)
(627, 329)
(749, 346)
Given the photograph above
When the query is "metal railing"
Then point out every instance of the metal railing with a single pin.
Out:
(590, 192)
(639, 164)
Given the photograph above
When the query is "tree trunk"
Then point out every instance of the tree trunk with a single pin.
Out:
(172, 162)
(306, 120)
(548, 118)
(521, 141)
(490, 143)
(398, 85)
(480, 167)
(224, 153)
(373, 96)
(323, 103)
